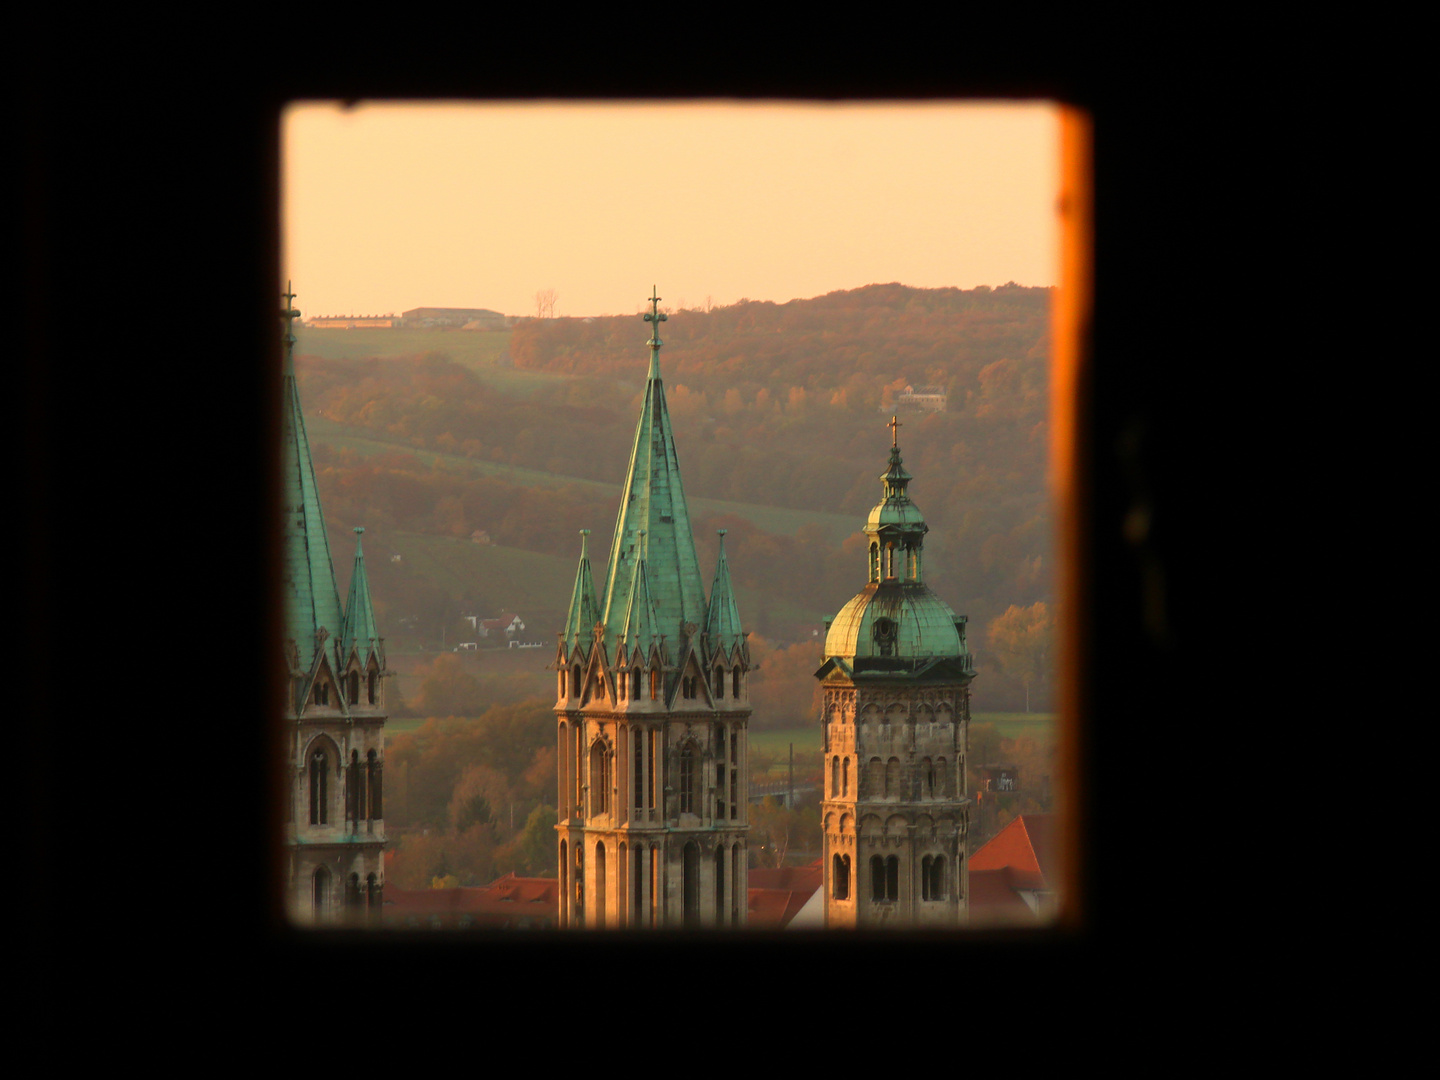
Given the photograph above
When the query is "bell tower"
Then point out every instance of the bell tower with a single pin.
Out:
(652, 708)
(896, 680)
(334, 711)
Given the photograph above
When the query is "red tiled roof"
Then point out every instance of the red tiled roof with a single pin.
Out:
(1026, 847)
(495, 904)
(772, 909)
(796, 878)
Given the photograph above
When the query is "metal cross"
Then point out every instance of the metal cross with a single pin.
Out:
(654, 315)
(894, 433)
(289, 295)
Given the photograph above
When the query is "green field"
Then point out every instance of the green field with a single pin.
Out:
(475, 349)
(1013, 724)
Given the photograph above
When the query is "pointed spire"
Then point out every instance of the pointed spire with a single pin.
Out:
(639, 628)
(312, 599)
(895, 477)
(654, 503)
(584, 611)
(722, 623)
(361, 631)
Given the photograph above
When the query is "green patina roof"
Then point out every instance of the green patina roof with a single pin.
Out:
(584, 611)
(722, 622)
(639, 629)
(312, 599)
(360, 629)
(920, 624)
(654, 502)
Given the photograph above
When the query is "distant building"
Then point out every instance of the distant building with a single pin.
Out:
(352, 322)
(443, 318)
(923, 397)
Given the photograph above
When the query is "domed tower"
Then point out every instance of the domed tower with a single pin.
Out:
(896, 680)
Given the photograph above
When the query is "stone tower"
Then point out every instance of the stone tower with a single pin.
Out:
(334, 712)
(896, 680)
(653, 707)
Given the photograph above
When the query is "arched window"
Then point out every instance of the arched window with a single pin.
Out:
(654, 684)
(928, 767)
(688, 687)
(892, 778)
(834, 776)
(874, 561)
(877, 878)
(319, 788)
(575, 679)
(622, 683)
(875, 778)
(719, 683)
(372, 687)
(840, 877)
(889, 560)
(562, 675)
(320, 892)
(689, 781)
(845, 777)
(912, 565)
(635, 684)
(935, 879)
(892, 878)
(354, 687)
(885, 632)
(599, 779)
(735, 682)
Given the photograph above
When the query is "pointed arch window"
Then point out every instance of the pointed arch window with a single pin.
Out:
(654, 684)
(353, 792)
(719, 683)
(319, 788)
(372, 688)
(599, 778)
(689, 781)
(354, 687)
(735, 683)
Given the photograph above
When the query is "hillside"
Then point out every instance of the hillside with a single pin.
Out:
(779, 413)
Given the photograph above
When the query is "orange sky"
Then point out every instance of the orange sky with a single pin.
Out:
(389, 207)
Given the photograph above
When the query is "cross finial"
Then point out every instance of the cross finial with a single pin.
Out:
(894, 427)
(654, 315)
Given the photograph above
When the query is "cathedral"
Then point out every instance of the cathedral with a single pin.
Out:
(896, 715)
(334, 711)
(652, 708)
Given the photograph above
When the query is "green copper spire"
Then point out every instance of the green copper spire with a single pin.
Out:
(360, 629)
(584, 611)
(654, 502)
(639, 628)
(722, 623)
(312, 599)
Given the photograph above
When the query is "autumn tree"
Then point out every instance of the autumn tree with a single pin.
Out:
(1021, 642)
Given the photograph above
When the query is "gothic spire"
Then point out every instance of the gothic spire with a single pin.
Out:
(722, 622)
(654, 502)
(312, 599)
(584, 612)
(639, 627)
(361, 631)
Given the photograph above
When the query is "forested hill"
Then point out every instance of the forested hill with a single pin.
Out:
(845, 345)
